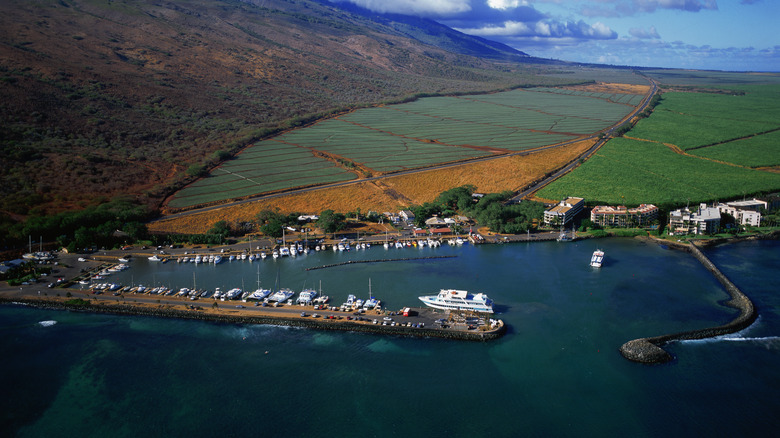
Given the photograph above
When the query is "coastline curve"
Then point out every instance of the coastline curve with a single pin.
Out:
(649, 350)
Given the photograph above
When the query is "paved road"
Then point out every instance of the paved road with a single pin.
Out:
(607, 135)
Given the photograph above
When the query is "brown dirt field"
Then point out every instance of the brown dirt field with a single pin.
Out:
(392, 193)
(604, 87)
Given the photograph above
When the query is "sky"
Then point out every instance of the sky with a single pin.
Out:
(732, 35)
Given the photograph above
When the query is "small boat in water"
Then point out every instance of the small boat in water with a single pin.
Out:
(597, 258)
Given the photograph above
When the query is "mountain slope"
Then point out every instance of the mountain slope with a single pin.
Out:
(100, 99)
(438, 35)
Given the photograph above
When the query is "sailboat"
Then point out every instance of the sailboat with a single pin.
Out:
(259, 294)
(282, 294)
(371, 302)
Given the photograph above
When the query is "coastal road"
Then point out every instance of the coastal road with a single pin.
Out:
(524, 193)
(574, 163)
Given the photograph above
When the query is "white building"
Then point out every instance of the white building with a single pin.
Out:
(743, 216)
(620, 216)
(564, 211)
(705, 221)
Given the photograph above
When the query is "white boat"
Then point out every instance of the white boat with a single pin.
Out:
(263, 255)
(350, 303)
(597, 258)
(154, 258)
(281, 295)
(284, 251)
(259, 294)
(453, 299)
(124, 260)
(198, 259)
(370, 303)
(275, 254)
(232, 294)
(217, 260)
(306, 296)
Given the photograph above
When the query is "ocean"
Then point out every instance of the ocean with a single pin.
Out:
(557, 372)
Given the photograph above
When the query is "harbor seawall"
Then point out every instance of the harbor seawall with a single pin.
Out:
(649, 350)
(292, 321)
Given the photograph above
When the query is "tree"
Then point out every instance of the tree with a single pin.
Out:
(330, 221)
(220, 228)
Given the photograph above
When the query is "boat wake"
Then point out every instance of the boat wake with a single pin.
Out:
(768, 342)
(47, 323)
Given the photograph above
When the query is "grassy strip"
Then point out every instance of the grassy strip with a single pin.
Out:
(633, 172)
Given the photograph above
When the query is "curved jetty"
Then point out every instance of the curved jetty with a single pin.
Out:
(648, 350)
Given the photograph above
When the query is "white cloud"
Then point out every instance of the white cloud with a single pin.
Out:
(415, 7)
(644, 34)
(506, 4)
(614, 8)
(658, 53)
(512, 30)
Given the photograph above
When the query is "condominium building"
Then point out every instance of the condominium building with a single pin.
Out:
(705, 221)
(564, 211)
(743, 212)
(620, 216)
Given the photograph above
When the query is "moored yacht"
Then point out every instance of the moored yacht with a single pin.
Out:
(306, 296)
(258, 295)
(281, 295)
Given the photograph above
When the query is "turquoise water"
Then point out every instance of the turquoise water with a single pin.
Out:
(556, 373)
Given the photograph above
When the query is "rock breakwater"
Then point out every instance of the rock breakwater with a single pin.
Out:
(649, 351)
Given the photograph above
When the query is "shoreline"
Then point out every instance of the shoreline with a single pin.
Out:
(643, 350)
(649, 350)
(283, 316)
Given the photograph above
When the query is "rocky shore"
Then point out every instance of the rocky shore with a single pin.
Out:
(649, 351)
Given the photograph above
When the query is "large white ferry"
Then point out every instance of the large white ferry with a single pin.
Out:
(453, 299)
